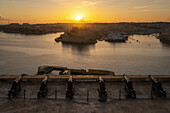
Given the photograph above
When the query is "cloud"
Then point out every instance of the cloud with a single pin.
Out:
(40, 1)
(146, 10)
(87, 3)
(58, 1)
(142, 7)
(168, 18)
(3, 19)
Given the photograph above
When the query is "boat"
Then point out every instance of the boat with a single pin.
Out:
(116, 37)
(64, 70)
(165, 36)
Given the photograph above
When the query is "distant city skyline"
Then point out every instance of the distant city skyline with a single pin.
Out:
(66, 11)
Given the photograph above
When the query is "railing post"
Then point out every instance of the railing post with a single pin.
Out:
(24, 94)
(119, 94)
(55, 94)
(151, 95)
(87, 95)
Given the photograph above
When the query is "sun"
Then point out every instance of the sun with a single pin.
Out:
(78, 17)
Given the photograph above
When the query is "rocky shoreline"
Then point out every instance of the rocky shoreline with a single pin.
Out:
(89, 33)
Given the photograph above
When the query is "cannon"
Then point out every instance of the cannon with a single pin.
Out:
(129, 90)
(16, 87)
(157, 89)
(42, 92)
(102, 90)
(70, 88)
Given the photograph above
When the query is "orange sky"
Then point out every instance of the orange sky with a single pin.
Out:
(53, 11)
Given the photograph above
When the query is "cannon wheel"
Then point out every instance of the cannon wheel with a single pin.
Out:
(164, 94)
(14, 95)
(38, 95)
(9, 94)
(133, 95)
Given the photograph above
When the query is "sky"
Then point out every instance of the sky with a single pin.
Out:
(53, 11)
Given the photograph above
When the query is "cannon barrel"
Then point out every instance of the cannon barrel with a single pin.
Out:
(42, 92)
(16, 87)
(129, 90)
(152, 79)
(70, 88)
(157, 88)
(126, 78)
(102, 90)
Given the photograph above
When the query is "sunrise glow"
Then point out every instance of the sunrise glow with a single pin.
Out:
(78, 17)
(66, 11)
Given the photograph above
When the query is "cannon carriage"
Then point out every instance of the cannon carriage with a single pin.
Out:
(43, 91)
(70, 88)
(128, 87)
(157, 89)
(16, 87)
(102, 90)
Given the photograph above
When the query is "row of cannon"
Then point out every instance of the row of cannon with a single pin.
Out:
(156, 89)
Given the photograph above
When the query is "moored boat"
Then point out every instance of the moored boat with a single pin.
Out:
(165, 36)
(116, 37)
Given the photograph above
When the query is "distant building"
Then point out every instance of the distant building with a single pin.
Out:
(14, 24)
(25, 24)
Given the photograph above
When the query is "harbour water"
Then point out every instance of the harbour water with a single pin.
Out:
(24, 53)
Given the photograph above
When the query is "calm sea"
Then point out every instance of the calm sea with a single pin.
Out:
(24, 53)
